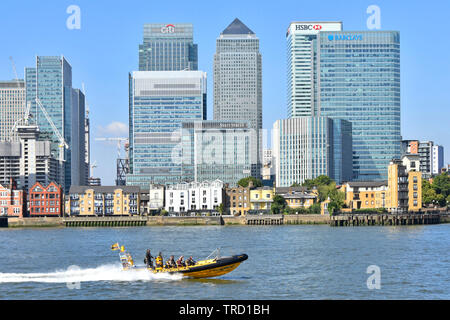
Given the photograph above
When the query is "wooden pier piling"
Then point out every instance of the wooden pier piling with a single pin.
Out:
(406, 219)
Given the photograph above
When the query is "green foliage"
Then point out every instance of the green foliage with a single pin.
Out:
(317, 182)
(314, 209)
(164, 212)
(278, 205)
(438, 192)
(221, 208)
(244, 182)
(333, 207)
(370, 210)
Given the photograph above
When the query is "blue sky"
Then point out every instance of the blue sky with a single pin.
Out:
(105, 49)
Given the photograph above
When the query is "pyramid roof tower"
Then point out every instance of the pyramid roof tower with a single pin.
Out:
(237, 27)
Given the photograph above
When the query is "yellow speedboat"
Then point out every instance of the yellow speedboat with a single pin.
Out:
(208, 268)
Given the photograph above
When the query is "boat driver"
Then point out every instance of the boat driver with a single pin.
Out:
(148, 259)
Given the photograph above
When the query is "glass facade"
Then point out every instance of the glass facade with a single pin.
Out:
(12, 108)
(342, 169)
(238, 78)
(218, 150)
(168, 47)
(51, 82)
(307, 147)
(302, 149)
(360, 82)
(159, 102)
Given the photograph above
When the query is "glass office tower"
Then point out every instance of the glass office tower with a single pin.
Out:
(307, 147)
(238, 78)
(168, 47)
(353, 76)
(302, 149)
(51, 82)
(360, 82)
(302, 62)
(159, 101)
(12, 108)
(218, 150)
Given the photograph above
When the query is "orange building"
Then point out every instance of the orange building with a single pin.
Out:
(365, 194)
(12, 201)
(45, 201)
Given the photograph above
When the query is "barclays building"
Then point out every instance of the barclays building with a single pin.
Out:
(349, 75)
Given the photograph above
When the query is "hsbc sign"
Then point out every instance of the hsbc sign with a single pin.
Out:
(313, 27)
(316, 27)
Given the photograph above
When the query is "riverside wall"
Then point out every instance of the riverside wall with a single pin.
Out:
(125, 221)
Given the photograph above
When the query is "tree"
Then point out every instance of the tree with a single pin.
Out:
(323, 180)
(441, 184)
(278, 205)
(221, 208)
(436, 193)
(244, 182)
(333, 207)
(314, 209)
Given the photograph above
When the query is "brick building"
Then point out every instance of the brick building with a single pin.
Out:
(45, 201)
(12, 201)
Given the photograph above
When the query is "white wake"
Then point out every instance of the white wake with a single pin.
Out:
(74, 274)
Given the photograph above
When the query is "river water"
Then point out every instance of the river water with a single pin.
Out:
(285, 262)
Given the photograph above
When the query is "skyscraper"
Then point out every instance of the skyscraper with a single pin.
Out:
(307, 147)
(50, 83)
(217, 150)
(350, 75)
(238, 79)
(12, 108)
(159, 101)
(302, 63)
(29, 160)
(168, 47)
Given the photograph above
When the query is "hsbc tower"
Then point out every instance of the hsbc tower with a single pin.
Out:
(302, 63)
(353, 76)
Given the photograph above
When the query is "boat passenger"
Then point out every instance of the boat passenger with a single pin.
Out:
(159, 260)
(148, 259)
(180, 262)
(190, 261)
(171, 262)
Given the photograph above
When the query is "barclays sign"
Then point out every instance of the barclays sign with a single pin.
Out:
(345, 37)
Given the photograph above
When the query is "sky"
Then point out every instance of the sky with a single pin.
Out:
(105, 49)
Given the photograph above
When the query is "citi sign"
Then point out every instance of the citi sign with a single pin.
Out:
(304, 27)
(345, 37)
(170, 28)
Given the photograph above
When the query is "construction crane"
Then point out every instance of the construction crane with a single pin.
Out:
(27, 114)
(93, 165)
(62, 142)
(14, 67)
(122, 166)
(86, 102)
(119, 143)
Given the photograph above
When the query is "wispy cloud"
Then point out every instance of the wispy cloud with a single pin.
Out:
(115, 128)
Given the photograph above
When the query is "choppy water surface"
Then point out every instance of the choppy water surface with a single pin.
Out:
(285, 262)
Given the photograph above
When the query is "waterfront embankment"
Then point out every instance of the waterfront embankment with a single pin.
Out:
(136, 221)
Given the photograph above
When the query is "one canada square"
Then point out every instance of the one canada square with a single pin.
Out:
(238, 81)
